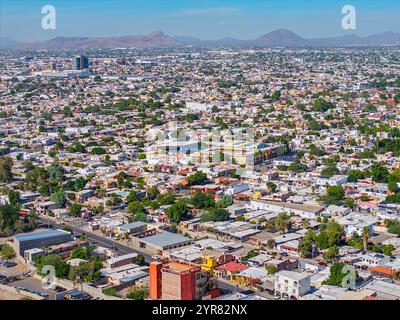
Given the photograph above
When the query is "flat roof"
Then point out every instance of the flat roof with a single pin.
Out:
(293, 206)
(178, 266)
(384, 287)
(133, 225)
(190, 253)
(41, 235)
(165, 239)
(122, 258)
(292, 275)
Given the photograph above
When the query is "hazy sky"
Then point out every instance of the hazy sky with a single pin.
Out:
(207, 19)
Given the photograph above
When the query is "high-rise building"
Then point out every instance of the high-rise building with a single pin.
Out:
(177, 281)
(155, 280)
(81, 63)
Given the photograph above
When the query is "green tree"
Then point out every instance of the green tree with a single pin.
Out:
(75, 210)
(83, 252)
(36, 177)
(138, 211)
(6, 164)
(271, 269)
(138, 293)
(282, 222)
(151, 193)
(8, 217)
(215, 214)
(56, 172)
(197, 178)
(110, 292)
(334, 195)
(321, 105)
(98, 151)
(271, 186)
(393, 226)
(177, 211)
(86, 271)
(59, 198)
(224, 202)
(366, 233)
(44, 189)
(167, 200)
(379, 173)
(7, 252)
(331, 254)
(337, 275)
(276, 95)
(135, 207)
(355, 175)
(329, 171)
(13, 197)
(140, 259)
(131, 197)
(355, 241)
(201, 200)
(349, 202)
(330, 235)
(388, 249)
(305, 247)
(61, 267)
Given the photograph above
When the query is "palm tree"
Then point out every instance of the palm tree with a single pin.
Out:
(32, 219)
(282, 222)
(271, 243)
(306, 223)
(365, 236)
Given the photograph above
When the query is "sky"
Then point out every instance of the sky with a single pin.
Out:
(206, 19)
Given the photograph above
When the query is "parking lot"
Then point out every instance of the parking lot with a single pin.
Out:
(17, 270)
(34, 285)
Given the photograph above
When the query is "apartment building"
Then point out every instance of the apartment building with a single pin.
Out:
(291, 285)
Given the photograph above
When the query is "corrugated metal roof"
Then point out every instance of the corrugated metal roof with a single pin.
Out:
(40, 235)
(165, 239)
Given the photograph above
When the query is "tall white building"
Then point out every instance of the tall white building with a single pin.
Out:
(291, 285)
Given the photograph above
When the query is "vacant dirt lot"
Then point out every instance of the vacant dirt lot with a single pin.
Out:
(5, 295)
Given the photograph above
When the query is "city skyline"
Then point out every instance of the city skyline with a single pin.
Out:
(21, 20)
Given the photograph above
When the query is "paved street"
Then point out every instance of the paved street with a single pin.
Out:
(91, 236)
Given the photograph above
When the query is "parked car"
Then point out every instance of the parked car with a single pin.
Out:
(3, 279)
(9, 264)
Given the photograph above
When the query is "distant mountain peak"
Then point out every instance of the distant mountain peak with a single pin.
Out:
(277, 38)
(157, 33)
(280, 37)
(283, 31)
(153, 39)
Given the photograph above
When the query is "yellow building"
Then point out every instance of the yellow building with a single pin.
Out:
(209, 264)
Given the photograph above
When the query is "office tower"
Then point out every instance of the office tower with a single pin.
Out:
(177, 281)
(81, 63)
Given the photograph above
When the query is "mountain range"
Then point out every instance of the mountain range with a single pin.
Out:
(277, 38)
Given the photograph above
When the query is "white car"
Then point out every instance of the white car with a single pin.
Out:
(156, 257)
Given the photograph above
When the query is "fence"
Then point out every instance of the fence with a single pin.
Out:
(21, 292)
